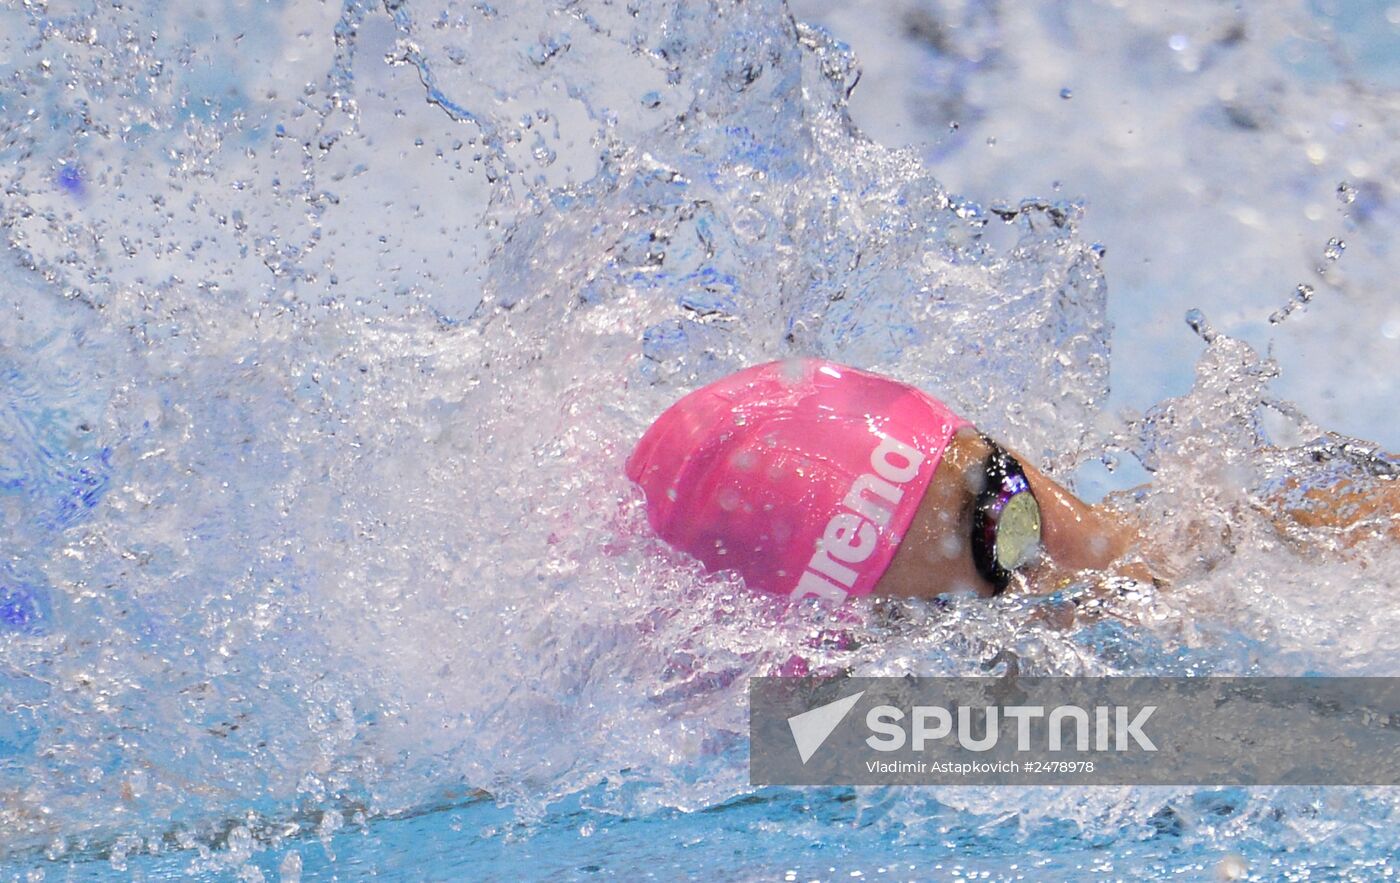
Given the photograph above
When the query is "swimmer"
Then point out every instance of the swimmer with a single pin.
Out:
(814, 479)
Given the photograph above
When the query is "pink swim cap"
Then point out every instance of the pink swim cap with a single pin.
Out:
(801, 475)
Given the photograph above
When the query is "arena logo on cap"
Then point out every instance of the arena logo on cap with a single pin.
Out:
(853, 533)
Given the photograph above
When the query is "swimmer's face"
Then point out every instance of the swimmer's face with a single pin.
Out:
(936, 558)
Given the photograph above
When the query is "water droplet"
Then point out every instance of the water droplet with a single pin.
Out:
(70, 178)
(1334, 249)
(1302, 295)
(1067, 93)
(1231, 867)
(290, 868)
(1197, 321)
(651, 99)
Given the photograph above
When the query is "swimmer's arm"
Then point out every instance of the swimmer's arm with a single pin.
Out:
(1353, 513)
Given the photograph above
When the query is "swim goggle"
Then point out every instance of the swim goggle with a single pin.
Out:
(1005, 521)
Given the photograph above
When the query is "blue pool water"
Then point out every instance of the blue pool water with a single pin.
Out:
(325, 330)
